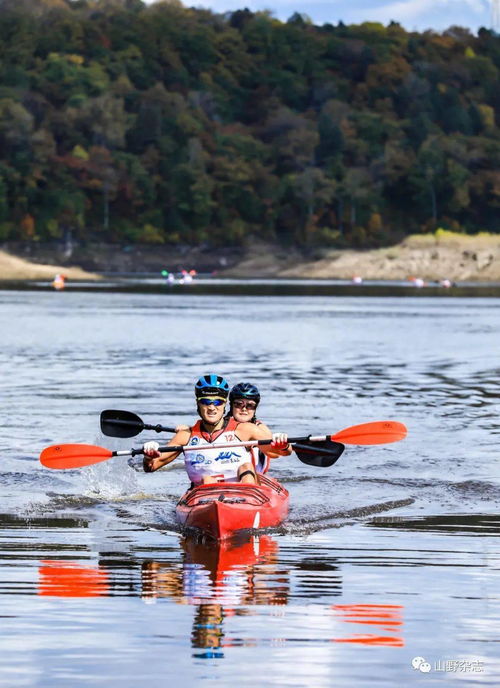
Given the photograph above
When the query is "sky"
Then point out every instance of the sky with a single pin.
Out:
(418, 15)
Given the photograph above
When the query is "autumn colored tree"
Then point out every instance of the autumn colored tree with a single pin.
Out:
(132, 122)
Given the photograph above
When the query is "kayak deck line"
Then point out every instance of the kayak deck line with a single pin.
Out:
(221, 509)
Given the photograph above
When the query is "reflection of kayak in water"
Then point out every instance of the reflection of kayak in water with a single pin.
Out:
(221, 574)
(222, 509)
(228, 573)
(229, 554)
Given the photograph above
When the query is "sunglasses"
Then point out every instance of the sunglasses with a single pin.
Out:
(211, 401)
(241, 404)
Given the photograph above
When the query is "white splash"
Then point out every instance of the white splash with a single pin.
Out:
(110, 480)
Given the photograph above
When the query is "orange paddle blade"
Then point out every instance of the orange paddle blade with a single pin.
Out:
(73, 455)
(378, 432)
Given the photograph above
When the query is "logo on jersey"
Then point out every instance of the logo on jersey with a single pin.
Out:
(194, 441)
(199, 459)
(228, 457)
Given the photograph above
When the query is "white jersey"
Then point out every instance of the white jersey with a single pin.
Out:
(219, 463)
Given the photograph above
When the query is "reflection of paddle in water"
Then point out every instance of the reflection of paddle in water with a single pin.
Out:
(221, 582)
(71, 579)
(387, 617)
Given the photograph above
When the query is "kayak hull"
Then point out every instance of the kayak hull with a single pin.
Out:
(220, 510)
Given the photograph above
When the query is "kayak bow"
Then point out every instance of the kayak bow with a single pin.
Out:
(221, 509)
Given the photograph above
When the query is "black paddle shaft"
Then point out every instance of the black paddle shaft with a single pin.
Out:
(246, 443)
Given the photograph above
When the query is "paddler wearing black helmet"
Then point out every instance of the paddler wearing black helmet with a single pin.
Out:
(244, 399)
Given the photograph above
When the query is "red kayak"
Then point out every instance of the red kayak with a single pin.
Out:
(222, 509)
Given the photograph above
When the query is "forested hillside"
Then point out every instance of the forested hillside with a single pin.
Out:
(127, 123)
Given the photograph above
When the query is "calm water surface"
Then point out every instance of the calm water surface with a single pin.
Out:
(388, 556)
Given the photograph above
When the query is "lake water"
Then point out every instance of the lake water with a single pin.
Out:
(391, 555)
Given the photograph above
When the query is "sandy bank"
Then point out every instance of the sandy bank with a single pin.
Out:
(457, 258)
(14, 268)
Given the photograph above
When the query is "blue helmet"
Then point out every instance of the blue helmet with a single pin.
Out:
(211, 385)
(244, 390)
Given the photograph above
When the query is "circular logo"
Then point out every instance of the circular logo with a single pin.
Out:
(422, 664)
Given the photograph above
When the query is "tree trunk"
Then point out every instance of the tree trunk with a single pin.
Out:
(340, 211)
(105, 191)
(353, 213)
(432, 192)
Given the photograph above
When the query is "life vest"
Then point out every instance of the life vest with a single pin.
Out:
(223, 463)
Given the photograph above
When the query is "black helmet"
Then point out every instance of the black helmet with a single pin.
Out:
(244, 390)
(211, 385)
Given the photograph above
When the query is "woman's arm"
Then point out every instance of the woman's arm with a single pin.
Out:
(153, 459)
(279, 446)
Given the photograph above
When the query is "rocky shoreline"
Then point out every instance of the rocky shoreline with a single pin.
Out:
(457, 258)
(424, 257)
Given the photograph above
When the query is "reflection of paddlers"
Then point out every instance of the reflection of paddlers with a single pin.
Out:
(217, 580)
(223, 573)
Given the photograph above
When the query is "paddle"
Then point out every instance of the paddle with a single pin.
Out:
(63, 456)
(126, 424)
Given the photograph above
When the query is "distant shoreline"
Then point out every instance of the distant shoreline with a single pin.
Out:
(454, 258)
(429, 258)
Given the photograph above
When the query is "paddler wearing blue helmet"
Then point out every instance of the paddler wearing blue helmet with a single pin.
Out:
(209, 464)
